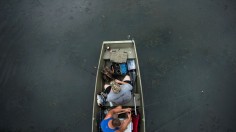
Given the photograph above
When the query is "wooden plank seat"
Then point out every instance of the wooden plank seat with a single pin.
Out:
(131, 103)
(130, 52)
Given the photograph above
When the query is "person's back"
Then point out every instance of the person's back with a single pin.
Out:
(105, 127)
(123, 97)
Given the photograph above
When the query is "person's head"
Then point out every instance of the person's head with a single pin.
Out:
(115, 87)
(116, 122)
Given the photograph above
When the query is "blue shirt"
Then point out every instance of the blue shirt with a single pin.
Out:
(105, 127)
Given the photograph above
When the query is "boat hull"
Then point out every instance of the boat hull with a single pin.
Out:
(129, 47)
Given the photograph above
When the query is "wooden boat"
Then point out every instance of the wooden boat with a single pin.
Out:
(137, 103)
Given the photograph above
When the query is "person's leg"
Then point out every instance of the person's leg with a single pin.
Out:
(127, 78)
(106, 86)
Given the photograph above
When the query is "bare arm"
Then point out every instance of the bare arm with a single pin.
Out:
(119, 109)
(116, 110)
(120, 82)
(125, 123)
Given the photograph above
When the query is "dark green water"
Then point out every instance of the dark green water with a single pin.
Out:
(186, 49)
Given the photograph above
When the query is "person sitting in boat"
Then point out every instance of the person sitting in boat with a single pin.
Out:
(119, 92)
(111, 124)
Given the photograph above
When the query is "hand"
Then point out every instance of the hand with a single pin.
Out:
(128, 110)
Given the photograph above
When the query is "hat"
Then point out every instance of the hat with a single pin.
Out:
(115, 87)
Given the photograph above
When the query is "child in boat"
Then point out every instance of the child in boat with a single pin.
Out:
(119, 92)
(111, 124)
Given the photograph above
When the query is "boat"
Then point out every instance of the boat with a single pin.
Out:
(137, 102)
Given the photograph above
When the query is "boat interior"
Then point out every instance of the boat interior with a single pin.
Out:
(131, 55)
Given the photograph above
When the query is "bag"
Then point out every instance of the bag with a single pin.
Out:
(123, 68)
(120, 69)
(101, 99)
(136, 121)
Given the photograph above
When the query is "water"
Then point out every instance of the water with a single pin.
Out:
(48, 51)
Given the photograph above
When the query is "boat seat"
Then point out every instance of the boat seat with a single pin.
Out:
(131, 103)
(130, 52)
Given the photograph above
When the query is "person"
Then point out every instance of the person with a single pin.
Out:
(111, 124)
(119, 92)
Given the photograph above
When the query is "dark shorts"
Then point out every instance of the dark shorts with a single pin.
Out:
(107, 90)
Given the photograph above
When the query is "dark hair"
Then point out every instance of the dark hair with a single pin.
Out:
(116, 122)
(107, 74)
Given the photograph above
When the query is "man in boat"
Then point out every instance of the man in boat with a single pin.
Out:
(111, 124)
(119, 92)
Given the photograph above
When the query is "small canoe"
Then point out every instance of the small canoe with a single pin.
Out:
(137, 103)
